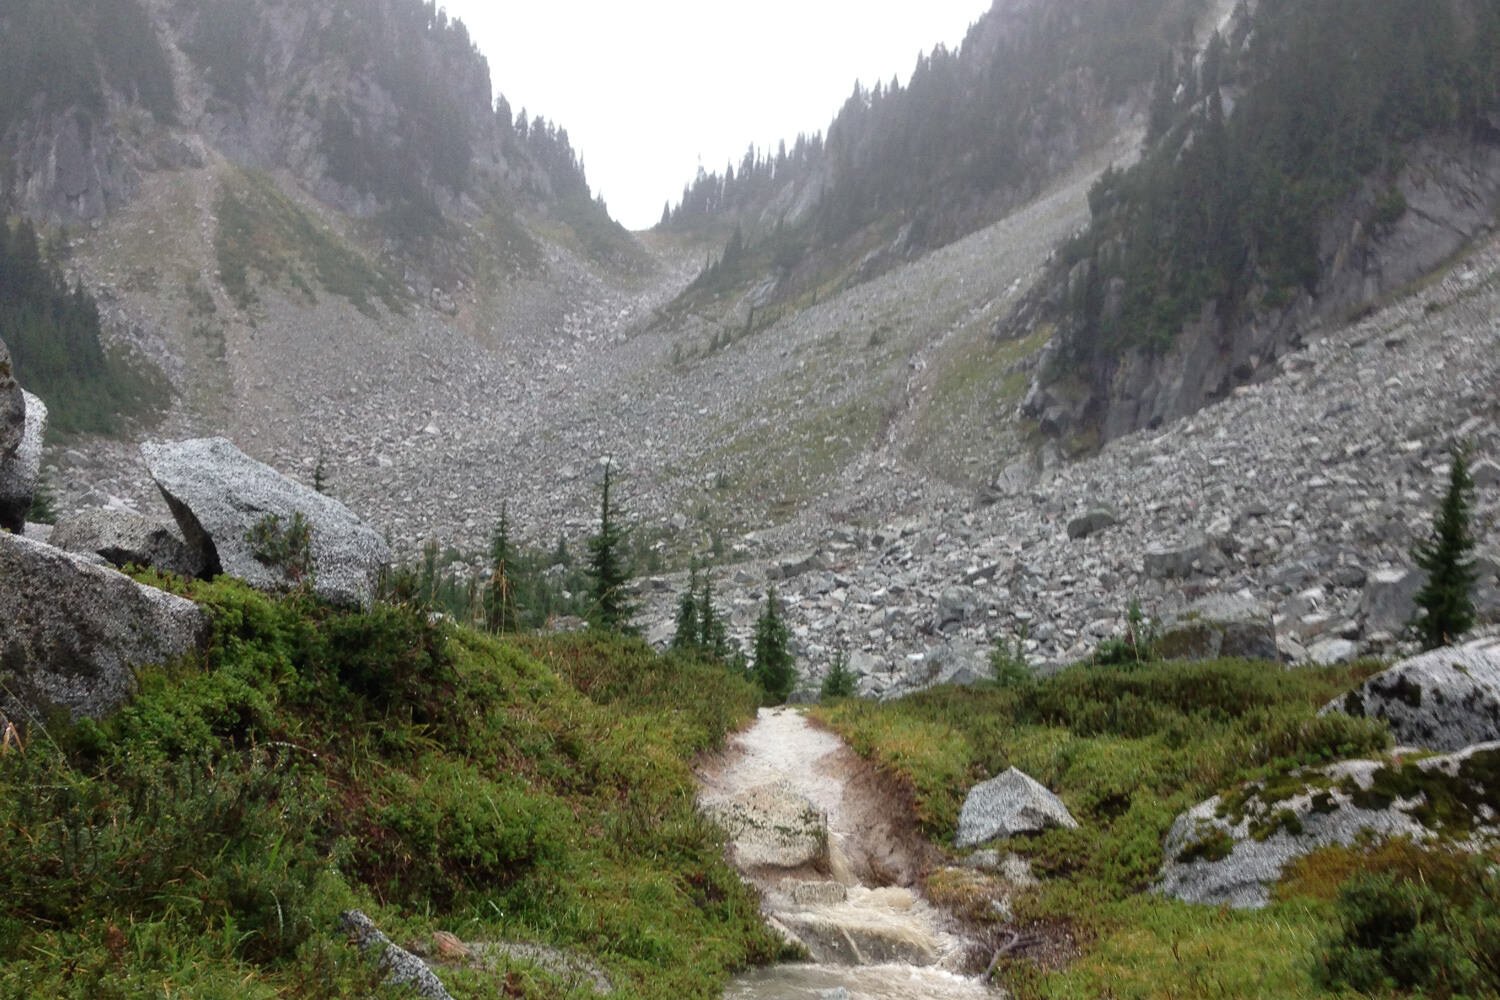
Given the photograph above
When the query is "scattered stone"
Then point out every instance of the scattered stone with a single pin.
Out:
(1231, 850)
(1196, 555)
(219, 495)
(21, 469)
(401, 967)
(1006, 805)
(1444, 699)
(124, 537)
(74, 633)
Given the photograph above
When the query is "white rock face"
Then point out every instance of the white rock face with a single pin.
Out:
(1008, 804)
(1231, 854)
(219, 494)
(1445, 699)
(73, 633)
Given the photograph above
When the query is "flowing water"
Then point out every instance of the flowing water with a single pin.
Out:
(835, 859)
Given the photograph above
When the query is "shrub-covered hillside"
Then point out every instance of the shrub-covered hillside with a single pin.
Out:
(204, 840)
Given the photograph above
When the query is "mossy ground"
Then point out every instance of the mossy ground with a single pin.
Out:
(202, 841)
(1128, 748)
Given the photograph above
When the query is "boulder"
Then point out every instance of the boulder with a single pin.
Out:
(1194, 555)
(1444, 699)
(400, 966)
(1094, 521)
(1220, 625)
(1006, 805)
(1390, 599)
(74, 633)
(12, 407)
(956, 605)
(1231, 849)
(219, 496)
(772, 826)
(20, 470)
(1327, 652)
(124, 537)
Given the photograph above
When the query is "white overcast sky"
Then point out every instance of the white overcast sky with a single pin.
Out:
(651, 88)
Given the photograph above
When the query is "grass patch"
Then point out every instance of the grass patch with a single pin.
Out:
(1128, 748)
(203, 840)
(261, 230)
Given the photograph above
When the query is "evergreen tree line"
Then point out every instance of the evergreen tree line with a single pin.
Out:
(1227, 207)
(967, 124)
(52, 331)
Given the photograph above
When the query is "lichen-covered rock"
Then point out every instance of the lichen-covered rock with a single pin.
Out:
(124, 537)
(1220, 625)
(1445, 699)
(401, 967)
(1231, 849)
(1008, 804)
(72, 634)
(219, 495)
(20, 470)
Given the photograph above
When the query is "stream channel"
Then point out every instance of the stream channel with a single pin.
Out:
(836, 860)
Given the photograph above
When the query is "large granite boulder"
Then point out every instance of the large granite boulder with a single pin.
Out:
(12, 407)
(1190, 557)
(1445, 699)
(773, 826)
(1231, 849)
(21, 469)
(73, 633)
(222, 497)
(124, 537)
(1006, 805)
(1220, 625)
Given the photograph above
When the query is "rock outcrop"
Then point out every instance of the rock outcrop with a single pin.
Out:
(1445, 699)
(1008, 804)
(1231, 849)
(124, 537)
(1223, 625)
(21, 469)
(220, 496)
(74, 633)
(401, 967)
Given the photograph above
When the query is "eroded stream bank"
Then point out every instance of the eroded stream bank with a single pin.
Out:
(837, 861)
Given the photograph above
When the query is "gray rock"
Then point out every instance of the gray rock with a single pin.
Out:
(1444, 699)
(20, 471)
(218, 494)
(1221, 858)
(955, 605)
(772, 826)
(1389, 600)
(12, 407)
(1327, 652)
(400, 966)
(1220, 625)
(1006, 805)
(1192, 556)
(74, 633)
(124, 537)
(1094, 521)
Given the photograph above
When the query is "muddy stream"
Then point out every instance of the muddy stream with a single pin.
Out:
(836, 859)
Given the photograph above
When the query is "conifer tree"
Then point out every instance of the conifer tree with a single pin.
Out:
(774, 668)
(1445, 605)
(608, 571)
(688, 632)
(500, 598)
(840, 681)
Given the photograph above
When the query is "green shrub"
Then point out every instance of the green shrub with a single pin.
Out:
(840, 681)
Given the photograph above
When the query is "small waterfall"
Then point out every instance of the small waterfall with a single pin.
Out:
(835, 868)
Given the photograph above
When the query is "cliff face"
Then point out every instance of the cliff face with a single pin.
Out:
(1214, 257)
(375, 107)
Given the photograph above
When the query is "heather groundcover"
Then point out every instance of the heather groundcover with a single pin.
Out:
(204, 840)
